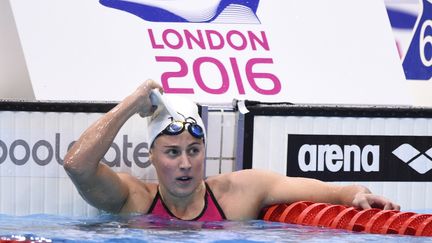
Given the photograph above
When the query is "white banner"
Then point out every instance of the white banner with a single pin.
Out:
(213, 51)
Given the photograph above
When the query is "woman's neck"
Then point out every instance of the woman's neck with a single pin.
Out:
(188, 207)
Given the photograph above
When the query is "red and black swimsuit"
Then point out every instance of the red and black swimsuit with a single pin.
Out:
(211, 211)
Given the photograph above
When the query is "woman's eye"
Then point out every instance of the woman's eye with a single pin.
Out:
(172, 152)
(193, 151)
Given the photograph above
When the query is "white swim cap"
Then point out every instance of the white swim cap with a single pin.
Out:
(172, 108)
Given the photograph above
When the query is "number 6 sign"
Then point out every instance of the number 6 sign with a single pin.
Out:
(417, 63)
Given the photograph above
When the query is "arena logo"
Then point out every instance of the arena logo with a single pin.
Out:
(359, 157)
(42, 152)
(190, 11)
(420, 162)
(335, 158)
(417, 62)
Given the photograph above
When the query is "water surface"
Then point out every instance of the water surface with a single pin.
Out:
(139, 228)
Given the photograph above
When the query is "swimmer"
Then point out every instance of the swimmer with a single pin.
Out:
(177, 152)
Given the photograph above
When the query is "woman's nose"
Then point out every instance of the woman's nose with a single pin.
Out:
(184, 162)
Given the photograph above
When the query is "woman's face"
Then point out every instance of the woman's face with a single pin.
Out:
(179, 161)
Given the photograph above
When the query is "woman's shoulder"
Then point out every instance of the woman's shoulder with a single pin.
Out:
(241, 175)
(135, 183)
(238, 193)
(233, 180)
(140, 194)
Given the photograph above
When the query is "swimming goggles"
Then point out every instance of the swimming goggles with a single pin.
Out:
(177, 127)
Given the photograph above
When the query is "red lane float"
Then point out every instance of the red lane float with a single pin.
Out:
(307, 216)
(410, 226)
(292, 212)
(425, 228)
(325, 217)
(376, 223)
(395, 222)
(372, 220)
(342, 220)
(360, 219)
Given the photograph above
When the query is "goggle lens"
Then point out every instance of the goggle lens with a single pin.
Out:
(196, 131)
(177, 127)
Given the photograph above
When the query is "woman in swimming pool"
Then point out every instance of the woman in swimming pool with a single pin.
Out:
(177, 152)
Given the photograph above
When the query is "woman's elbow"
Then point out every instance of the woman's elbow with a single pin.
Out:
(71, 165)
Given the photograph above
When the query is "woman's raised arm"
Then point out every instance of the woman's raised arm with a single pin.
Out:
(95, 181)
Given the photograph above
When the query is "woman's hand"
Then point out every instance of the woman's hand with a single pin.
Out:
(367, 200)
(142, 93)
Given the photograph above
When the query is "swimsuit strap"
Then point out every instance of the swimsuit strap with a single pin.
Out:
(211, 211)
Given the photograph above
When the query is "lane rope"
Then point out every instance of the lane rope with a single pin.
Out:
(376, 221)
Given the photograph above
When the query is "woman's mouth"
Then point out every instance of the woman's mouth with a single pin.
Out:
(184, 178)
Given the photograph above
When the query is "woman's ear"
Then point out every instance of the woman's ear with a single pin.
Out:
(150, 156)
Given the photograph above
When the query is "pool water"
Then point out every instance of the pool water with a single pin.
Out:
(144, 228)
